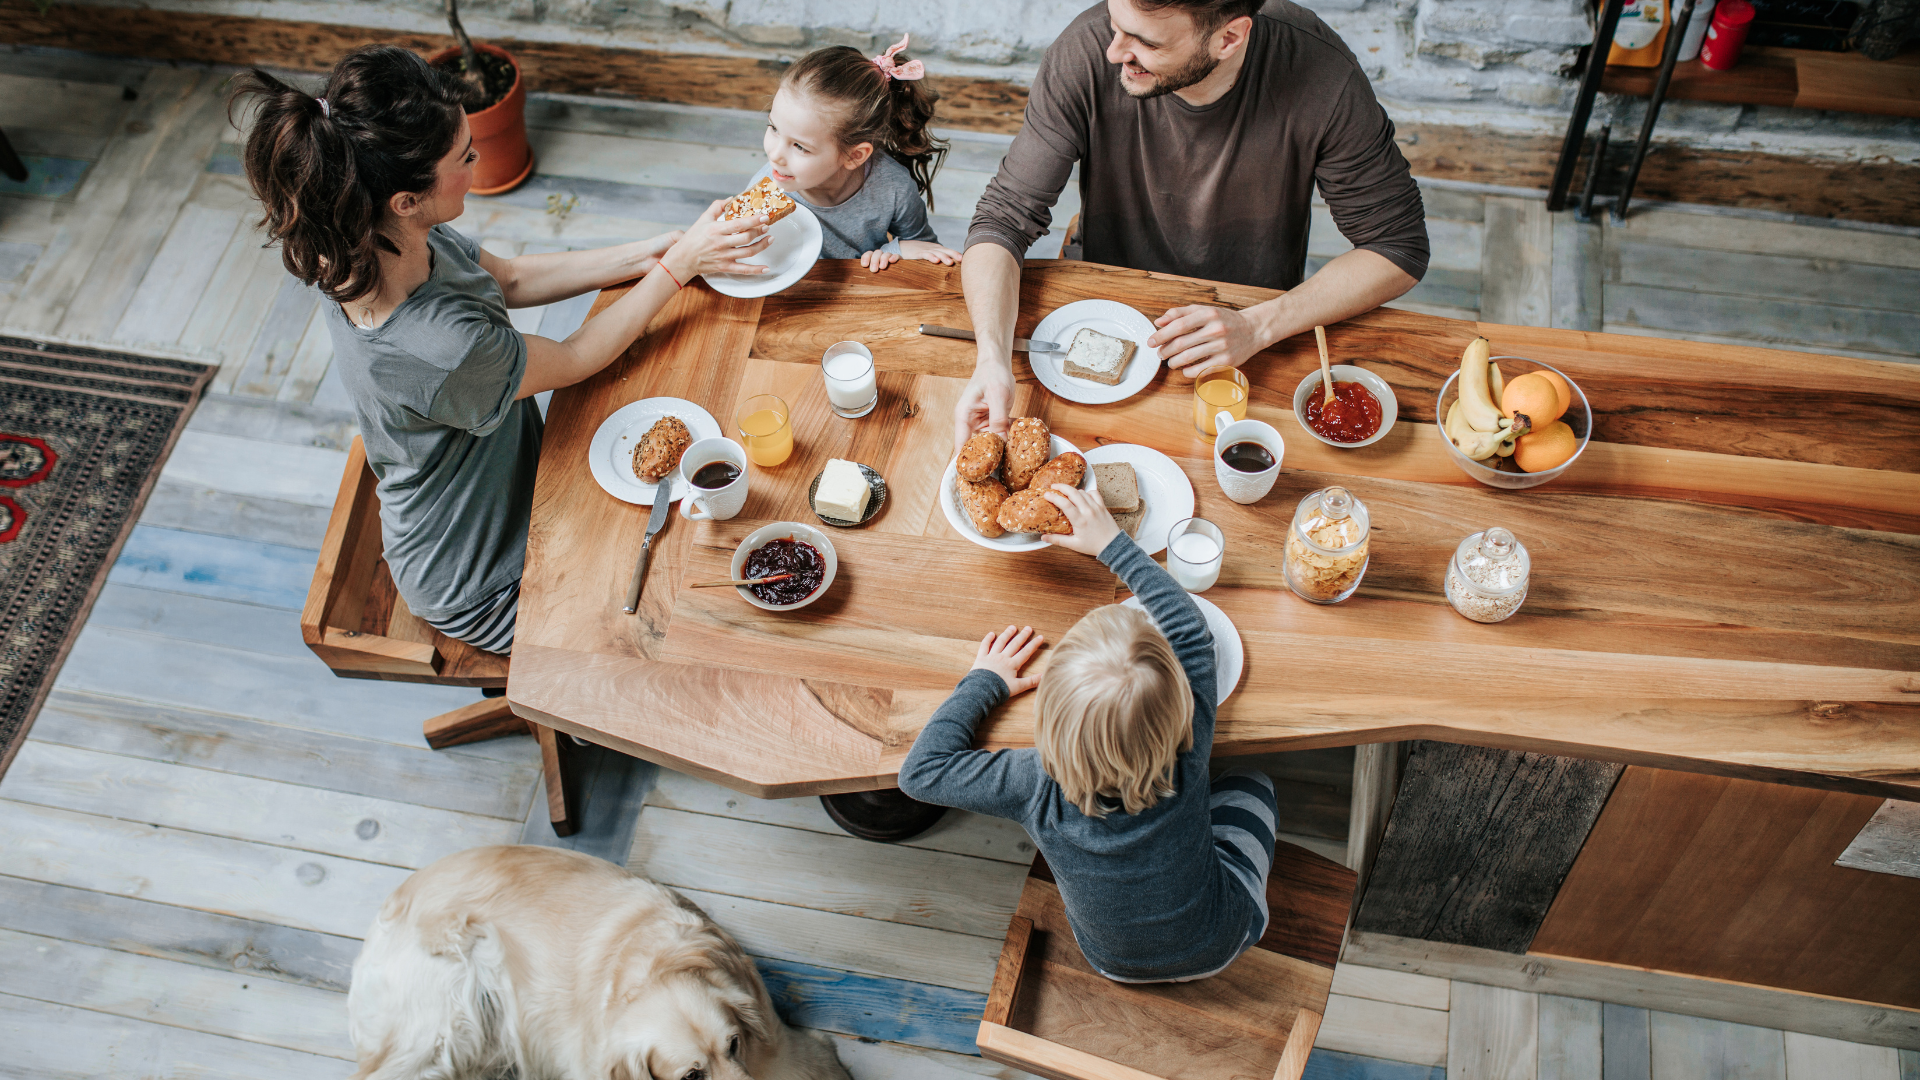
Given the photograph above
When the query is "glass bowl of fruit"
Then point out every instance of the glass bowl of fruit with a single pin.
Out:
(1557, 425)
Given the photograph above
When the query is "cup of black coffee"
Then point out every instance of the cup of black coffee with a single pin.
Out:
(716, 474)
(1247, 456)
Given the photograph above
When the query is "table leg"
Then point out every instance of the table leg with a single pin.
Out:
(10, 164)
(560, 769)
(887, 815)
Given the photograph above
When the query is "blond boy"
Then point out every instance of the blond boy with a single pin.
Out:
(1163, 875)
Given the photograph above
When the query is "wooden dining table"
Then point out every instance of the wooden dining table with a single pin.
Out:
(1727, 580)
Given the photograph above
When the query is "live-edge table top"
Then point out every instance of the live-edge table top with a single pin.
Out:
(1727, 581)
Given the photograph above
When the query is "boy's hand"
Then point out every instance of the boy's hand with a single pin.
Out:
(878, 260)
(930, 251)
(1093, 526)
(1005, 653)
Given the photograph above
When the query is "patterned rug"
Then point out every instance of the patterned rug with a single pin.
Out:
(83, 434)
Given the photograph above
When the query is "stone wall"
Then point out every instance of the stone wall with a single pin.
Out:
(1498, 63)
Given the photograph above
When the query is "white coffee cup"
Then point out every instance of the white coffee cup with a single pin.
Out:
(719, 504)
(1245, 487)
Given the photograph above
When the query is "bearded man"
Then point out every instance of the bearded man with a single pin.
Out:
(1201, 128)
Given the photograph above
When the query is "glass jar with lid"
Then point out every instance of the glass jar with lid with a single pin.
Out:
(1327, 546)
(1487, 579)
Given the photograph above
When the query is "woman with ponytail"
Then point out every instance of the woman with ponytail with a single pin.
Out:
(358, 186)
(847, 135)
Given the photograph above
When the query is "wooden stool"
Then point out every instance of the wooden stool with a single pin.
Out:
(1050, 1013)
(356, 623)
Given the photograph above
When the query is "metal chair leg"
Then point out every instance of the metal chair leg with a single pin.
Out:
(1598, 164)
(10, 164)
(1583, 105)
(1676, 30)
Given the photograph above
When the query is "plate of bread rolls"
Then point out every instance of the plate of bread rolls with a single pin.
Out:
(992, 489)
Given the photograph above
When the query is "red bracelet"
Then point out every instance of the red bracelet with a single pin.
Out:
(676, 281)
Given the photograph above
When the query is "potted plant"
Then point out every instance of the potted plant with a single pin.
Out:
(496, 108)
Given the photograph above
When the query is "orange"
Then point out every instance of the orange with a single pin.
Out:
(1538, 451)
(1534, 396)
(1559, 383)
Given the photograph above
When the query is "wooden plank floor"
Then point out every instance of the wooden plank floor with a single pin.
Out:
(204, 819)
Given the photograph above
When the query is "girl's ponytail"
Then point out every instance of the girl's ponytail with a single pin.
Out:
(873, 106)
(324, 168)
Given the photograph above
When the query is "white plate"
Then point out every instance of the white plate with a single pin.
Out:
(1229, 656)
(1109, 317)
(610, 454)
(795, 248)
(962, 524)
(1166, 490)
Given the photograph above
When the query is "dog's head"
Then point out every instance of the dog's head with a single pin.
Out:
(701, 1013)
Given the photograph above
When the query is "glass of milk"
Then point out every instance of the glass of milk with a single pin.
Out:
(852, 388)
(1194, 550)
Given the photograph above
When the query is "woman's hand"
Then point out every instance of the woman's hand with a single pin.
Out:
(649, 251)
(1093, 526)
(712, 246)
(878, 260)
(930, 251)
(1005, 653)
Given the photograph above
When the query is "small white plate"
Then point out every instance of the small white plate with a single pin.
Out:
(610, 454)
(1229, 656)
(962, 524)
(1163, 487)
(1109, 317)
(795, 248)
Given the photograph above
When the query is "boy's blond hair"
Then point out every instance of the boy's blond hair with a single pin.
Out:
(1115, 711)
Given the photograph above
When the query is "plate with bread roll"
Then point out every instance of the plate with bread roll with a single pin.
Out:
(1144, 489)
(991, 489)
(796, 240)
(1106, 358)
(639, 447)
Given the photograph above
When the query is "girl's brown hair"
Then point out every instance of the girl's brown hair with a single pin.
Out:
(324, 173)
(872, 107)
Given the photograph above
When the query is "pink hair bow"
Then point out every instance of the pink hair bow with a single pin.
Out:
(906, 72)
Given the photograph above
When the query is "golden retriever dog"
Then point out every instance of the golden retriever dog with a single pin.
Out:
(546, 964)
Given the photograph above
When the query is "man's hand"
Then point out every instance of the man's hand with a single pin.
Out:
(985, 405)
(1198, 339)
(1005, 653)
(1093, 526)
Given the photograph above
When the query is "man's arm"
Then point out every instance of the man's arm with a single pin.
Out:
(990, 278)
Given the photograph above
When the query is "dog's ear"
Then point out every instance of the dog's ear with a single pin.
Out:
(625, 1069)
(748, 997)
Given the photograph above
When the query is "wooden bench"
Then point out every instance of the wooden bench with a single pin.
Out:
(356, 623)
(1050, 1013)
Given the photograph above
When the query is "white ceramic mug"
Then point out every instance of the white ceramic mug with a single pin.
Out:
(719, 504)
(1245, 487)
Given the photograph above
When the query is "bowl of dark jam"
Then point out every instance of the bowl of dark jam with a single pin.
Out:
(1365, 407)
(785, 548)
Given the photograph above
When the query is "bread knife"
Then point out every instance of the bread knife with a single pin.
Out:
(1020, 344)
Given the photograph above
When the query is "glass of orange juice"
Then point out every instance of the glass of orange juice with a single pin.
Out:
(765, 430)
(1223, 389)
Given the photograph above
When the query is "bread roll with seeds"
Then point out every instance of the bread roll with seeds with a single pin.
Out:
(980, 456)
(981, 499)
(1069, 469)
(1029, 445)
(1030, 512)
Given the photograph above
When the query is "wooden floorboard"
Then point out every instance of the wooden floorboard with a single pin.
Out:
(1625, 1043)
(1570, 1043)
(1692, 1048)
(1492, 1034)
(46, 1041)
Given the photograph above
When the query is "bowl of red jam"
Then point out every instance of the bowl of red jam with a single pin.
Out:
(1365, 409)
(800, 551)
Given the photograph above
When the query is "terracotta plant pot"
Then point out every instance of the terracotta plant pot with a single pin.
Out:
(499, 131)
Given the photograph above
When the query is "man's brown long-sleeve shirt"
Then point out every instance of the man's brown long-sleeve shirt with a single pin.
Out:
(1221, 191)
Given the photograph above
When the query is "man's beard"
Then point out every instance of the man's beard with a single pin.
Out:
(1199, 68)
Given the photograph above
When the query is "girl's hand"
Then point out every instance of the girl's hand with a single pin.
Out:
(877, 260)
(930, 251)
(712, 246)
(1093, 526)
(649, 251)
(1005, 653)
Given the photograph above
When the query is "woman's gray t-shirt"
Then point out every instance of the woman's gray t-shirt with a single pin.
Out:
(434, 387)
(887, 204)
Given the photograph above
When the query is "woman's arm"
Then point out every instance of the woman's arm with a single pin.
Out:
(704, 249)
(532, 280)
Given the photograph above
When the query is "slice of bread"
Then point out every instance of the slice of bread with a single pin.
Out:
(1096, 357)
(764, 197)
(1119, 486)
(1129, 521)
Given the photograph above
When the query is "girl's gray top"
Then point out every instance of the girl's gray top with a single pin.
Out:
(887, 204)
(1147, 895)
(454, 453)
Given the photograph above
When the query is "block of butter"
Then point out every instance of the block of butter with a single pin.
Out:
(843, 492)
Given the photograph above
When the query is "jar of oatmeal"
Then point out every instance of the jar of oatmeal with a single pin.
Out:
(1327, 546)
(1487, 579)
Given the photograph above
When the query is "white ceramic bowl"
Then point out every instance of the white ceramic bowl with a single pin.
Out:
(1389, 407)
(785, 530)
(962, 524)
(1579, 417)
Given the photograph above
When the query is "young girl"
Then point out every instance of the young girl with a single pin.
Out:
(1163, 875)
(358, 186)
(847, 136)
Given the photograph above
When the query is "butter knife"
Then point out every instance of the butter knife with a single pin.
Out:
(1020, 344)
(662, 500)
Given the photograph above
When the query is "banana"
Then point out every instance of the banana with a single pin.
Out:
(1475, 403)
(1478, 445)
(1496, 382)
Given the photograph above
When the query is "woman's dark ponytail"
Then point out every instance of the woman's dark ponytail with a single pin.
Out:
(324, 172)
(892, 114)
